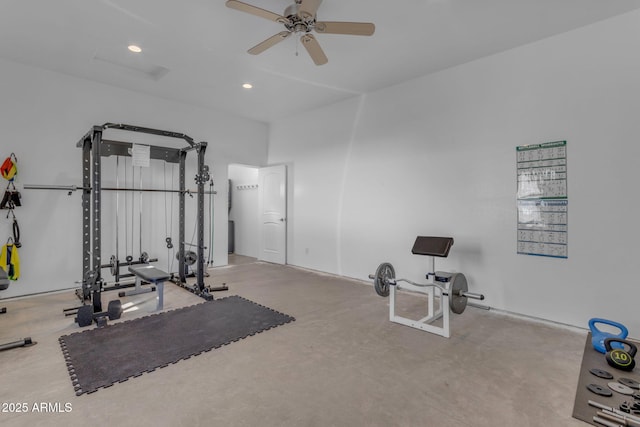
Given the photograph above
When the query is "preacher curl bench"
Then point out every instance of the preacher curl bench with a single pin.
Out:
(451, 288)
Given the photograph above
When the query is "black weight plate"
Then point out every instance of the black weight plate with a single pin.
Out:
(114, 309)
(384, 272)
(636, 396)
(190, 257)
(458, 302)
(601, 373)
(629, 383)
(84, 317)
(599, 390)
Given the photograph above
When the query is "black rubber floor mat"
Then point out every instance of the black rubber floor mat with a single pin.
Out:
(98, 358)
(594, 361)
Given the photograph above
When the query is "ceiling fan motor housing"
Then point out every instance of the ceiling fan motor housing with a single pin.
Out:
(298, 24)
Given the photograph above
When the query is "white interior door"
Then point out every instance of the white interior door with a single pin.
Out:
(272, 188)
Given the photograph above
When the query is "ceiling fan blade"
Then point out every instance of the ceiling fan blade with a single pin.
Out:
(271, 41)
(353, 28)
(313, 47)
(308, 8)
(244, 7)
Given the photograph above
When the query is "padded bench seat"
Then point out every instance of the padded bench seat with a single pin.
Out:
(151, 274)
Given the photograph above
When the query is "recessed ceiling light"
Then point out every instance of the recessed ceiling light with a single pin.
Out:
(135, 49)
(247, 85)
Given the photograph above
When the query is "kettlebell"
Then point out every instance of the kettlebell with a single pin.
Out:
(620, 358)
(598, 336)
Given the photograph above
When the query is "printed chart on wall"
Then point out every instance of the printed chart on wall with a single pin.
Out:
(542, 199)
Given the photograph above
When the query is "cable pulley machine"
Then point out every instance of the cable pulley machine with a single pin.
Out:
(94, 148)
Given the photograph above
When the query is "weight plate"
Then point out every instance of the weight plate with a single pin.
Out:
(601, 373)
(384, 272)
(629, 383)
(114, 309)
(628, 408)
(636, 396)
(84, 317)
(624, 407)
(190, 257)
(144, 258)
(457, 301)
(620, 388)
(599, 390)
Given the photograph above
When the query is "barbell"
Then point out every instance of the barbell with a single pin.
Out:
(385, 276)
(71, 188)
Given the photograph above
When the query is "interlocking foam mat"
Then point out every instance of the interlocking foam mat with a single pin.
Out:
(591, 359)
(100, 357)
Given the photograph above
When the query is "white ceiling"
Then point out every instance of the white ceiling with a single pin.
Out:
(195, 50)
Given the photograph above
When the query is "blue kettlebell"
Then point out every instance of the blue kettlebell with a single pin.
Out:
(598, 336)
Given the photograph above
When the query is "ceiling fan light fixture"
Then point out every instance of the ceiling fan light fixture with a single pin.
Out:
(247, 85)
(134, 48)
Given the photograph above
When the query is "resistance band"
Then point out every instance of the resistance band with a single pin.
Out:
(9, 260)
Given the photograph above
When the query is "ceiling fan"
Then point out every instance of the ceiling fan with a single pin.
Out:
(300, 18)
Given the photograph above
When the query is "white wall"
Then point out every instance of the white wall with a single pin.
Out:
(436, 156)
(316, 173)
(244, 209)
(42, 116)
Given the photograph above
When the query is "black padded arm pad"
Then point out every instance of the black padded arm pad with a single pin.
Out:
(433, 246)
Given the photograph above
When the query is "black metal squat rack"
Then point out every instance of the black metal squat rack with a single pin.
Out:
(94, 147)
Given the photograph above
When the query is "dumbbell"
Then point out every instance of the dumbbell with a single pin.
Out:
(86, 316)
(385, 276)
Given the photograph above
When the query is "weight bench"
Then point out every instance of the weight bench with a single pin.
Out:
(431, 247)
(150, 274)
(450, 288)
